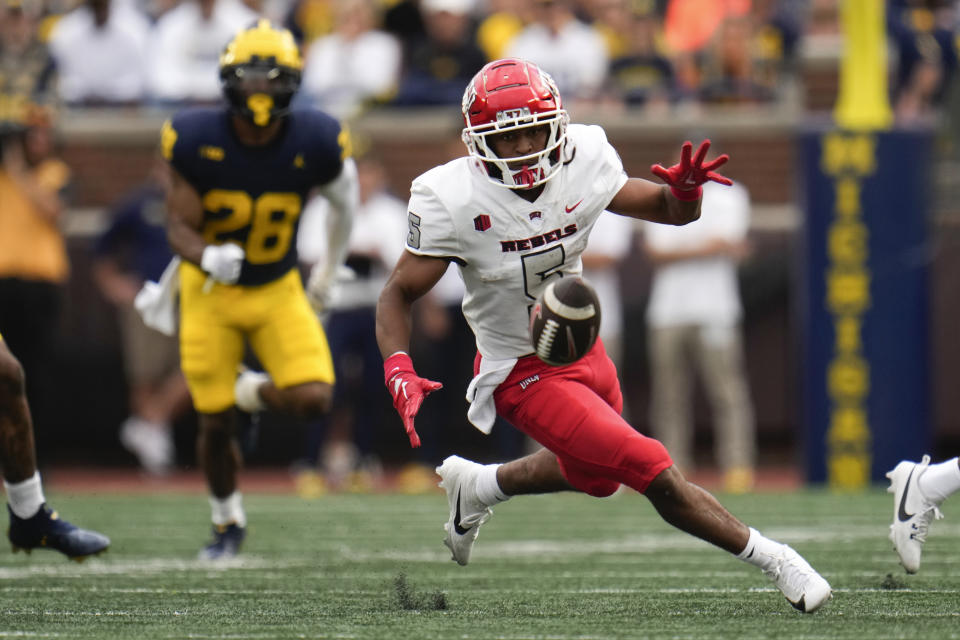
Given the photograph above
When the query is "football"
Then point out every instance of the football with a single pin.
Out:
(565, 321)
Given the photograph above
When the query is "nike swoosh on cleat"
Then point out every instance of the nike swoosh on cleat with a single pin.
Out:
(569, 209)
(456, 519)
(902, 514)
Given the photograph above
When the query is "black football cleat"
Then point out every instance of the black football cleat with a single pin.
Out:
(226, 542)
(45, 530)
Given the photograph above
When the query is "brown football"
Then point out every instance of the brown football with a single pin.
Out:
(565, 321)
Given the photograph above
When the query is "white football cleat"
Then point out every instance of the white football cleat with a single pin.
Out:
(912, 512)
(246, 390)
(803, 587)
(467, 513)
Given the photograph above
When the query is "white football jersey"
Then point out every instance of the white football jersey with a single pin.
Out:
(507, 248)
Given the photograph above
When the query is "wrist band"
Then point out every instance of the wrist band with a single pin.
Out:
(687, 195)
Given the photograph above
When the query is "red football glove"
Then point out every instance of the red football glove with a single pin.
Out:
(408, 390)
(686, 177)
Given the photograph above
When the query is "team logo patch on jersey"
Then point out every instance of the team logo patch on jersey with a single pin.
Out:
(481, 222)
(536, 215)
(168, 138)
(211, 153)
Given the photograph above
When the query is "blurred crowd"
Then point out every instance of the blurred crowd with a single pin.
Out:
(365, 53)
(361, 53)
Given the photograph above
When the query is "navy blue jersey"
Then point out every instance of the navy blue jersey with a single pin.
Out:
(253, 196)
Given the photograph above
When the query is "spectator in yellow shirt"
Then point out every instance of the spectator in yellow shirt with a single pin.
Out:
(33, 256)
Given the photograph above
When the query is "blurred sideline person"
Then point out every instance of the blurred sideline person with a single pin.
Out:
(131, 251)
(515, 215)
(918, 488)
(344, 442)
(33, 525)
(437, 63)
(694, 320)
(34, 265)
(355, 66)
(101, 47)
(182, 53)
(241, 175)
(571, 50)
(611, 239)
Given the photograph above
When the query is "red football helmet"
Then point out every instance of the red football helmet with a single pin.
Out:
(513, 94)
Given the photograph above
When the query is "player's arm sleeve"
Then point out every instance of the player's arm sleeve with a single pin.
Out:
(343, 195)
(430, 227)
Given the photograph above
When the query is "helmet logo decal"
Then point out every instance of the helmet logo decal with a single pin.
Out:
(260, 104)
(468, 97)
(550, 84)
(508, 115)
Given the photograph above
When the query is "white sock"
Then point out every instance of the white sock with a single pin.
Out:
(228, 510)
(940, 480)
(760, 550)
(25, 497)
(488, 489)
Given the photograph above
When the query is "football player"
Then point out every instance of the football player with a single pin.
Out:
(33, 524)
(241, 176)
(513, 215)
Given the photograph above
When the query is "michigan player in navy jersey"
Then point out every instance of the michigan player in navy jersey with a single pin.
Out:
(33, 525)
(241, 176)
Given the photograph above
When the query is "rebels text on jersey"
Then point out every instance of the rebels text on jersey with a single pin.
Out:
(507, 248)
(254, 196)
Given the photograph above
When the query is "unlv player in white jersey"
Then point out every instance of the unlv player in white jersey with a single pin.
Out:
(514, 215)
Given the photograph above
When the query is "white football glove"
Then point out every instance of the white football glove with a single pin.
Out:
(223, 262)
(323, 287)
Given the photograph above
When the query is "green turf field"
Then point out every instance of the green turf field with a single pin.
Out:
(557, 567)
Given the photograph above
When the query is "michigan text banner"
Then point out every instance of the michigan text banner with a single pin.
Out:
(863, 302)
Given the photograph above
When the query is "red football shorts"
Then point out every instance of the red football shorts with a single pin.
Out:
(574, 411)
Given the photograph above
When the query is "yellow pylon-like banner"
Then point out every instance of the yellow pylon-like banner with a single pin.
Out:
(863, 102)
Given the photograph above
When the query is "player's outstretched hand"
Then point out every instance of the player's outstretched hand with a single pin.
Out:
(686, 176)
(408, 390)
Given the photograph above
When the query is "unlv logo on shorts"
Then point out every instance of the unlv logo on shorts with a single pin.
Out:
(481, 222)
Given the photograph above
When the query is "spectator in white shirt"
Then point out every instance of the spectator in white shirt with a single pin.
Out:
(348, 439)
(100, 51)
(186, 46)
(610, 242)
(693, 317)
(569, 50)
(353, 65)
